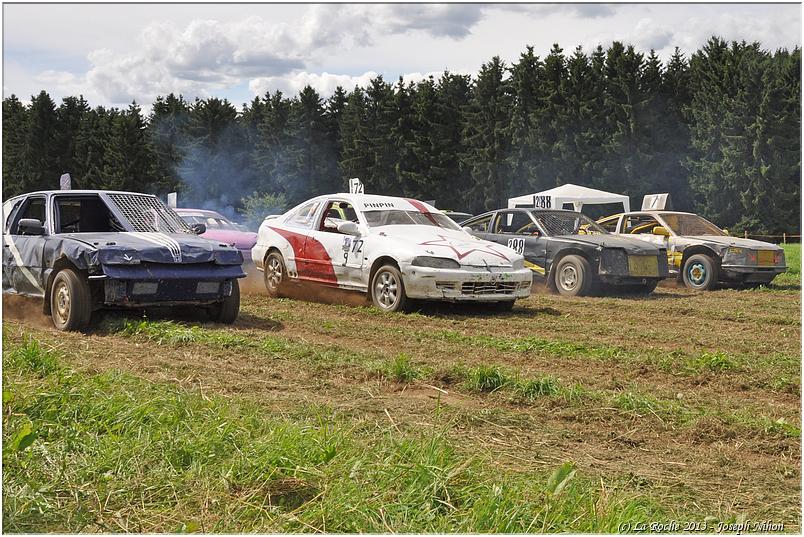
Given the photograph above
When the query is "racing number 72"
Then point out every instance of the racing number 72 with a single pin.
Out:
(351, 246)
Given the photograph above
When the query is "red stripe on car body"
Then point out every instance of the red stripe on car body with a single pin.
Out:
(312, 260)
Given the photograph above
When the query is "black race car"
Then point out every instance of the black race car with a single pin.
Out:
(83, 250)
(571, 253)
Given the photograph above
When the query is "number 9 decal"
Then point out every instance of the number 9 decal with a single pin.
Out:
(517, 245)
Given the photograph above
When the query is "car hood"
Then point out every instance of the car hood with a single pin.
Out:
(133, 247)
(242, 240)
(734, 241)
(449, 243)
(630, 245)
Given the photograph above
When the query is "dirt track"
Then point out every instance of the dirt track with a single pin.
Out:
(722, 462)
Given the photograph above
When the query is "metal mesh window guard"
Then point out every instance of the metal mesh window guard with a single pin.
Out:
(148, 214)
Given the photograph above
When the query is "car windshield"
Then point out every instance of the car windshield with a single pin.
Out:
(212, 222)
(148, 214)
(408, 218)
(567, 223)
(691, 224)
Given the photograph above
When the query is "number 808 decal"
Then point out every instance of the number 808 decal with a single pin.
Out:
(517, 245)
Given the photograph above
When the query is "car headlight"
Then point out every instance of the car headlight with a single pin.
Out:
(518, 264)
(739, 256)
(434, 262)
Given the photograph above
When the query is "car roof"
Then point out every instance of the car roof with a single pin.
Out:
(84, 192)
(364, 199)
(201, 212)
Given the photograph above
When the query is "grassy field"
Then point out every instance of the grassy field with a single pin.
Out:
(593, 414)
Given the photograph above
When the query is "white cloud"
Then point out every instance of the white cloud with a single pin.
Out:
(324, 84)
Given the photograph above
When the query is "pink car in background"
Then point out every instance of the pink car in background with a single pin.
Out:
(219, 228)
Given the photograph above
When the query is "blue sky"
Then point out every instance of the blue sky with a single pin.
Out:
(116, 53)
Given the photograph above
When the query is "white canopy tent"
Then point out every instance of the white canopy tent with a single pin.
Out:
(578, 196)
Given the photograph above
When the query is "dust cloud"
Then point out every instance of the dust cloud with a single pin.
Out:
(25, 309)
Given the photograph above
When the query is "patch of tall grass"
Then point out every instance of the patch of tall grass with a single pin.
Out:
(114, 453)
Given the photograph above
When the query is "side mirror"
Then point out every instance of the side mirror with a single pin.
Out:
(661, 230)
(30, 226)
(199, 229)
(726, 231)
(467, 229)
(349, 228)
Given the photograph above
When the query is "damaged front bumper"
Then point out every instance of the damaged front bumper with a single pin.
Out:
(750, 273)
(620, 268)
(468, 284)
(150, 284)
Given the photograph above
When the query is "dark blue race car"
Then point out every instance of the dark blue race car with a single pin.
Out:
(84, 250)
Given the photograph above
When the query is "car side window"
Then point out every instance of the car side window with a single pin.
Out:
(481, 224)
(514, 223)
(335, 213)
(34, 208)
(639, 224)
(8, 212)
(304, 217)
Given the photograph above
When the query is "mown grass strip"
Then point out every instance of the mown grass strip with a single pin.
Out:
(673, 362)
(490, 379)
(113, 453)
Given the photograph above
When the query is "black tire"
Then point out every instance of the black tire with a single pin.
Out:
(70, 301)
(275, 274)
(573, 276)
(700, 272)
(387, 289)
(227, 310)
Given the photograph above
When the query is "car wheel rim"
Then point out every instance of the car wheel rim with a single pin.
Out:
(386, 290)
(697, 273)
(274, 273)
(62, 302)
(568, 277)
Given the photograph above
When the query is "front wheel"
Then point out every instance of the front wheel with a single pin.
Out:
(700, 272)
(387, 289)
(573, 276)
(228, 309)
(70, 301)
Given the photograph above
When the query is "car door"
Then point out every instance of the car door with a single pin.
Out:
(339, 255)
(23, 254)
(641, 225)
(306, 253)
(517, 230)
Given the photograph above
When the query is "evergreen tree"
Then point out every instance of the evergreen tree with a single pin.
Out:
(486, 138)
(40, 161)
(127, 156)
(15, 136)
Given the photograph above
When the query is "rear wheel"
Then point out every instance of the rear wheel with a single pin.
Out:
(388, 290)
(228, 309)
(700, 272)
(70, 301)
(274, 274)
(573, 276)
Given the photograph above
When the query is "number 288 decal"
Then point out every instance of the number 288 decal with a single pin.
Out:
(517, 245)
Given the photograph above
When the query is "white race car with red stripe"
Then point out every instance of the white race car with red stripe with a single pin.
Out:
(394, 249)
